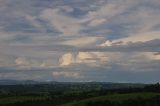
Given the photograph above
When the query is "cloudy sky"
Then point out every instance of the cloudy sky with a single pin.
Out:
(80, 40)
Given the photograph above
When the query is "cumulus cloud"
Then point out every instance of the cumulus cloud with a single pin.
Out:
(88, 58)
(66, 59)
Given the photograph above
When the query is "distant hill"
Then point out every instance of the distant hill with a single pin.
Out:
(17, 82)
(80, 85)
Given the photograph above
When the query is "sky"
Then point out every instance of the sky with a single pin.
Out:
(80, 40)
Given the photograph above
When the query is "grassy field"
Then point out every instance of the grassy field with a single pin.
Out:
(19, 99)
(113, 98)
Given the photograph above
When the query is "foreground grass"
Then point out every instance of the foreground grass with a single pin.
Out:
(113, 98)
(20, 99)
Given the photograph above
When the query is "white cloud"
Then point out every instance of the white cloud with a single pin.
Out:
(35, 23)
(107, 43)
(107, 11)
(85, 55)
(63, 23)
(22, 61)
(69, 25)
(67, 8)
(97, 22)
(83, 41)
(87, 58)
(140, 24)
(140, 37)
(151, 56)
(66, 59)
(133, 38)
(138, 61)
(66, 74)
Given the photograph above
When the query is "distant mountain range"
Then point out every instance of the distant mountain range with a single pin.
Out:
(18, 82)
(32, 82)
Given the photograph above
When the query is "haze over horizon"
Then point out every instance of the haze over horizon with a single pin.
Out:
(80, 40)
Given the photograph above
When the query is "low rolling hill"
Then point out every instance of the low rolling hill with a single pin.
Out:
(113, 98)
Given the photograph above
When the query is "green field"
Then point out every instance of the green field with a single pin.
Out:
(79, 95)
(113, 98)
(20, 99)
